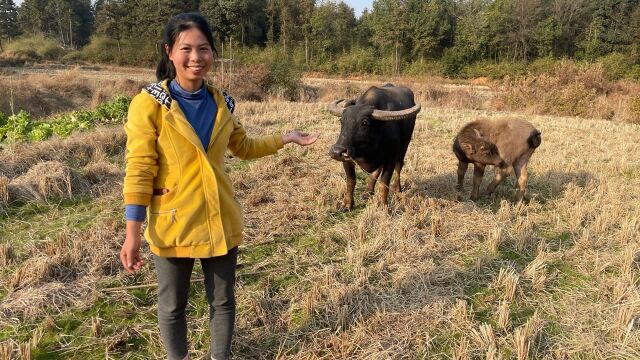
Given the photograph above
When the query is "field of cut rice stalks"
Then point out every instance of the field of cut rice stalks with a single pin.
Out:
(433, 276)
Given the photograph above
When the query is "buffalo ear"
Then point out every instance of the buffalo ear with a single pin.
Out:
(350, 102)
(467, 148)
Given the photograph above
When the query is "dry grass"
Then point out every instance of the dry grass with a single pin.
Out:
(573, 91)
(430, 276)
(43, 92)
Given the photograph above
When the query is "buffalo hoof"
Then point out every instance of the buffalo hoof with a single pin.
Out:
(342, 207)
(367, 195)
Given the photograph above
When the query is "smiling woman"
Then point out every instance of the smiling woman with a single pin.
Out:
(191, 56)
(175, 174)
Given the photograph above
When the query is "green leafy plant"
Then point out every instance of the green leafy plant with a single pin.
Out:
(21, 127)
(16, 127)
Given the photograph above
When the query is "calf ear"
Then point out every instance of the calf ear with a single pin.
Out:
(478, 133)
(467, 148)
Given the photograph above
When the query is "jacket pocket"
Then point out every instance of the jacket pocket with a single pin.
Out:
(163, 227)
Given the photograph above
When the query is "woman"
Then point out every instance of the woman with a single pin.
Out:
(177, 133)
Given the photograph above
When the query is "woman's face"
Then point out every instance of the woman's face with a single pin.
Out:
(192, 57)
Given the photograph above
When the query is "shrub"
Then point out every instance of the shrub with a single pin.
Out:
(284, 80)
(493, 70)
(251, 82)
(33, 48)
(634, 105)
(546, 65)
(634, 73)
(100, 49)
(424, 68)
(72, 57)
(357, 61)
(453, 60)
(571, 89)
(616, 66)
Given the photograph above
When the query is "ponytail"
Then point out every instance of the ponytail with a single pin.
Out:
(165, 68)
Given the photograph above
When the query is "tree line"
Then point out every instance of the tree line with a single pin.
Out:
(317, 33)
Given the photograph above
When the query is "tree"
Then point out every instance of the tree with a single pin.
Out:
(112, 20)
(431, 26)
(331, 27)
(68, 21)
(307, 8)
(33, 17)
(389, 26)
(149, 17)
(8, 20)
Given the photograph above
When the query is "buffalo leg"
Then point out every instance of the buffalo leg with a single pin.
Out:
(371, 184)
(462, 170)
(478, 173)
(350, 171)
(396, 187)
(501, 174)
(520, 169)
(385, 179)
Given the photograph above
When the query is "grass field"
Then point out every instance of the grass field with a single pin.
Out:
(433, 276)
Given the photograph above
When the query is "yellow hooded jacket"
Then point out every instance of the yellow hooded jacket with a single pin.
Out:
(198, 217)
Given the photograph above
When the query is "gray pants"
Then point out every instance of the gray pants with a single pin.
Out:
(173, 293)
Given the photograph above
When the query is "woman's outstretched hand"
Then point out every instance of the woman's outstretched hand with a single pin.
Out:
(300, 138)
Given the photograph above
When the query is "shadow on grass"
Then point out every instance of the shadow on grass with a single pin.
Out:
(542, 187)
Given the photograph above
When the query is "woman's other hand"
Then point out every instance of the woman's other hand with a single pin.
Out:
(300, 138)
(130, 252)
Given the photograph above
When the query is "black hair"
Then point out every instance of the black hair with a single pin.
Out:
(176, 25)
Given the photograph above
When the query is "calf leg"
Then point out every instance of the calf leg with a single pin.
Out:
(371, 184)
(385, 179)
(478, 173)
(501, 174)
(520, 168)
(462, 170)
(396, 187)
(350, 171)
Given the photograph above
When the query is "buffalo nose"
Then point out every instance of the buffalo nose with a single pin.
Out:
(337, 151)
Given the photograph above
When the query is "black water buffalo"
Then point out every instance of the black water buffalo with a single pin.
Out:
(375, 133)
(505, 143)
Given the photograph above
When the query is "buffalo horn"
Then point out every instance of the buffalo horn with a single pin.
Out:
(335, 109)
(385, 115)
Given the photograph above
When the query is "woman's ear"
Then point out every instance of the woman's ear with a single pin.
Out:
(166, 49)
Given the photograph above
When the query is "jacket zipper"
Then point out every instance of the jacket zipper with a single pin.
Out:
(166, 212)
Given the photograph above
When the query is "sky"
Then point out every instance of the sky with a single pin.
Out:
(359, 5)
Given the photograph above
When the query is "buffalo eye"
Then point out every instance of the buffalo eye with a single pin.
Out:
(364, 122)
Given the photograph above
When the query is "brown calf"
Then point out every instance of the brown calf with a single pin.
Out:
(505, 143)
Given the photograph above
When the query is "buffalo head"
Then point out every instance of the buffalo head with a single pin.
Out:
(361, 129)
(478, 150)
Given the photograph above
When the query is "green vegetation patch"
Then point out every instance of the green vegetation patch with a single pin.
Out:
(21, 127)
